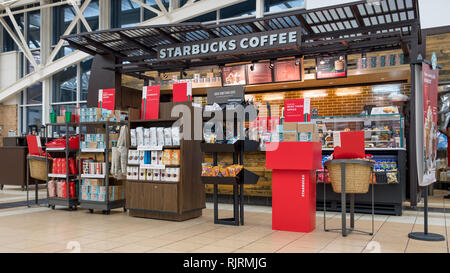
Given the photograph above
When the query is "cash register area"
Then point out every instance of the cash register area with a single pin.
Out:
(42, 230)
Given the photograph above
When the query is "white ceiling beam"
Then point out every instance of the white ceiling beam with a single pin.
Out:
(24, 46)
(150, 8)
(14, 37)
(80, 14)
(161, 6)
(67, 32)
(43, 73)
(196, 9)
(188, 12)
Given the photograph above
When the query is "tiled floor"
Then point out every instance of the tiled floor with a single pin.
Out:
(43, 230)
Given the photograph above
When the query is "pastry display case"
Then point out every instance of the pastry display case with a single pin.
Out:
(384, 131)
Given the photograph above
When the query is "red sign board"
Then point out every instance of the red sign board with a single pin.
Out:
(298, 110)
(261, 73)
(182, 92)
(150, 102)
(106, 99)
(287, 70)
(430, 98)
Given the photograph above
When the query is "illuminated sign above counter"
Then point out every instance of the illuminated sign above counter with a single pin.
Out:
(285, 38)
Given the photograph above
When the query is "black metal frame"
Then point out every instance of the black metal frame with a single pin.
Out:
(342, 29)
(344, 228)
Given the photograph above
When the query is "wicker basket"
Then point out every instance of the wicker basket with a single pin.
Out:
(357, 177)
(38, 168)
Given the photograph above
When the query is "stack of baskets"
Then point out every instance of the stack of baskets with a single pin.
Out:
(358, 177)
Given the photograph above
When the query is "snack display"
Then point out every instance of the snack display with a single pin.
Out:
(221, 170)
(387, 166)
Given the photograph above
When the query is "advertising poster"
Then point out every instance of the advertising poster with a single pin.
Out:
(261, 73)
(331, 67)
(182, 91)
(150, 102)
(233, 75)
(106, 99)
(288, 70)
(430, 80)
(298, 110)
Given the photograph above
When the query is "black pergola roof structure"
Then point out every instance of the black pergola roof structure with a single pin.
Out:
(349, 28)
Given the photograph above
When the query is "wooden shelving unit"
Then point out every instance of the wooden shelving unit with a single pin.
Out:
(177, 201)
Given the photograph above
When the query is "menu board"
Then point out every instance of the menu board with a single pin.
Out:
(331, 67)
(261, 73)
(233, 75)
(288, 70)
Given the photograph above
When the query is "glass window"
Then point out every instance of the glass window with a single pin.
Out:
(85, 74)
(37, 57)
(241, 9)
(65, 85)
(34, 29)
(280, 5)
(148, 14)
(8, 42)
(125, 13)
(34, 94)
(62, 16)
(34, 115)
(91, 14)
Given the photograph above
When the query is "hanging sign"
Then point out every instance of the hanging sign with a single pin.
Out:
(106, 99)
(223, 95)
(290, 37)
(182, 91)
(261, 73)
(234, 75)
(427, 137)
(288, 70)
(150, 102)
(298, 110)
(331, 67)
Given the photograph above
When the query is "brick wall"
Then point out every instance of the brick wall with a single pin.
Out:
(8, 120)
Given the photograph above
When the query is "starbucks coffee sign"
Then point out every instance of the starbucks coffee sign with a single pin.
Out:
(285, 38)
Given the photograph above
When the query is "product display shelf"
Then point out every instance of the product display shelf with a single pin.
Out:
(389, 197)
(70, 203)
(244, 177)
(107, 205)
(176, 201)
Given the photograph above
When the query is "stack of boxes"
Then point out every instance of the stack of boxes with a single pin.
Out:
(93, 141)
(299, 131)
(93, 168)
(99, 114)
(152, 165)
(95, 190)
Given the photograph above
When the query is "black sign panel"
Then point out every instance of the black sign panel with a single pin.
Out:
(227, 94)
(285, 38)
(331, 67)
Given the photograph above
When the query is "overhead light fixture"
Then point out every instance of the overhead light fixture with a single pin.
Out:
(184, 73)
(252, 66)
(165, 76)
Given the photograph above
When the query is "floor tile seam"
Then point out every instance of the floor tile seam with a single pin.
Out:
(375, 232)
(407, 242)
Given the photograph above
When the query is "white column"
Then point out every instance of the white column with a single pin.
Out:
(46, 40)
(105, 14)
(259, 8)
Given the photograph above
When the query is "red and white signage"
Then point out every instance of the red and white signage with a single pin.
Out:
(182, 91)
(297, 110)
(150, 102)
(106, 99)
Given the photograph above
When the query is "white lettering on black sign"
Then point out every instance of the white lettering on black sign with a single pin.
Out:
(248, 42)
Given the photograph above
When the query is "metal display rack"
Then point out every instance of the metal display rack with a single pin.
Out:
(107, 205)
(70, 203)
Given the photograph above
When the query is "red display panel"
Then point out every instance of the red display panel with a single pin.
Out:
(150, 102)
(288, 70)
(233, 75)
(331, 67)
(261, 73)
(107, 99)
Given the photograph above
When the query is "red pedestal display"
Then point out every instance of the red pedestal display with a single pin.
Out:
(294, 184)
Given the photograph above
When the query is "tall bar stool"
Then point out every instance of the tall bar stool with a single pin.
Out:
(349, 176)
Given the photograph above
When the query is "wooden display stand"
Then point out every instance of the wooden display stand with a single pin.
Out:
(177, 201)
